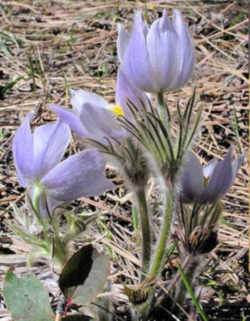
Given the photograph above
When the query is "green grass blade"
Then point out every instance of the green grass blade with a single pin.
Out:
(191, 293)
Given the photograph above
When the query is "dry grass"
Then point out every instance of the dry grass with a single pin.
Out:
(48, 47)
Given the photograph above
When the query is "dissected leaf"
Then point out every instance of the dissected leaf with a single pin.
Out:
(26, 298)
(84, 275)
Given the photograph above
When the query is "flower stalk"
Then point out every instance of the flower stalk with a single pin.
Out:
(160, 252)
(164, 236)
(145, 229)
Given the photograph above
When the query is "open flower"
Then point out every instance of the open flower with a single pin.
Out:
(37, 159)
(158, 58)
(93, 117)
(210, 182)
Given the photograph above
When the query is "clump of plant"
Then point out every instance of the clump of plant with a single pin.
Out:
(145, 141)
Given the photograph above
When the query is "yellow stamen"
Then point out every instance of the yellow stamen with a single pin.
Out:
(205, 181)
(116, 109)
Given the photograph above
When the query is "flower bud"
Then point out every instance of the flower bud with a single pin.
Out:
(159, 58)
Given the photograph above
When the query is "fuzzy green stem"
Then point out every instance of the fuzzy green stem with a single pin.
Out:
(164, 235)
(160, 251)
(36, 204)
(146, 232)
(59, 254)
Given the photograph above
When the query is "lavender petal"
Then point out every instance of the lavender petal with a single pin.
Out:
(81, 97)
(136, 63)
(122, 41)
(50, 143)
(191, 178)
(70, 118)
(220, 181)
(100, 123)
(184, 52)
(23, 151)
(209, 168)
(162, 50)
(79, 175)
(126, 92)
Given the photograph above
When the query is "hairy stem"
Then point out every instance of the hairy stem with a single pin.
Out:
(59, 255)
(160, 252)
(146, 232)
(164, 235)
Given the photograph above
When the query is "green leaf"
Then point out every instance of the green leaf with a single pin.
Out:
(191, 293)
(135, 218)
(4, 40)
(5, 89)
(84, 275)
(26, 298)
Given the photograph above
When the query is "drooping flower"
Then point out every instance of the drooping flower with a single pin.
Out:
(93, 117)
(210, 182)
(38, 156)
(159, 58)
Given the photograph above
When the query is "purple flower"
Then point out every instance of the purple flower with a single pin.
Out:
(93, 117)
(210, 182)
(38, 156)
(158, 58)
(126, 92)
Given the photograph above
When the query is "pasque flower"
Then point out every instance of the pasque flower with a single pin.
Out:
(37, 157)
(159, 58)
(93, 117)
(210, 182)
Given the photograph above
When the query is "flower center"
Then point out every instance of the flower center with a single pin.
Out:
(116, 109)
(205, 181)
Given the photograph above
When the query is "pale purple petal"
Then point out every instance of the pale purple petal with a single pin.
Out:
(81, 97)
(79, 175)
(161, 46)
(23, 151)
(126, 91)
(122, 41)
(97, 120)
(220, 180)
(70, 118)
(160, 58)
(93, 122)
(236, 165)
(184, 52)
(209, 168)
(191, 178)
(50, 143)
(100, 123)
(136, 63)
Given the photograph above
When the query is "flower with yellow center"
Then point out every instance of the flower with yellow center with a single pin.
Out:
(93, 117)
(208, 184)
(116, 109)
